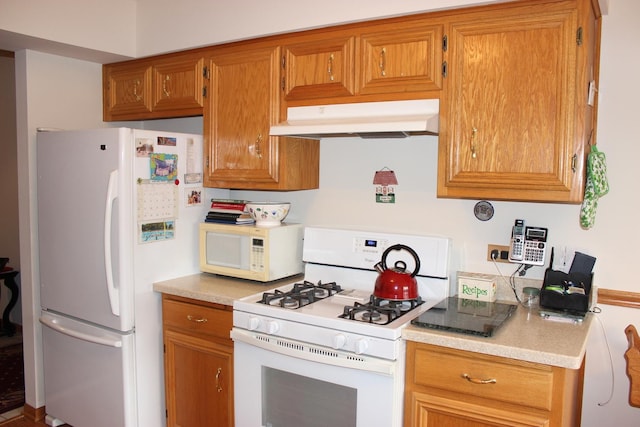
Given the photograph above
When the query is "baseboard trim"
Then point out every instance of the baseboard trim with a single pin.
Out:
(34, 414)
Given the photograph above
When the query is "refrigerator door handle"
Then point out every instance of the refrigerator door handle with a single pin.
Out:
(58, 326)
(112, 194)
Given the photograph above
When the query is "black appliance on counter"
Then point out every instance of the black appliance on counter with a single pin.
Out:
(466, 316)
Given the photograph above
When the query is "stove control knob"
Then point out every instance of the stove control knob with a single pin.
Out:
(254, 323)
(361, 345)
(339, 341)
(272, 327)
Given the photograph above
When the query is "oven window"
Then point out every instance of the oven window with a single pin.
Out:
(294, 400)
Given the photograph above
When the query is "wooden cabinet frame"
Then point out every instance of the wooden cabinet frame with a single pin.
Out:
(198, 362)
(524, 393)
(512, 79)
(514, 123)
(160, 87)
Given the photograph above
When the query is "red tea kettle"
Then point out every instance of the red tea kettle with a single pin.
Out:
(396, 283)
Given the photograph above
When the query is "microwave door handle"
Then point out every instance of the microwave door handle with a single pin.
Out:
(112, 194)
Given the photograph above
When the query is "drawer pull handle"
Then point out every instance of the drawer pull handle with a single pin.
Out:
(218, 374)
(383, 62)
(478, 380)
(198, 320)
(258, 146)
(135, 90)
(474, 148)
(164, 86)
(330, 67)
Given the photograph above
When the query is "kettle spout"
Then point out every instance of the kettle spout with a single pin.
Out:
(379, 267)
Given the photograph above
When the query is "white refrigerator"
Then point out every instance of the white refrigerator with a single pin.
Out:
(118, 209)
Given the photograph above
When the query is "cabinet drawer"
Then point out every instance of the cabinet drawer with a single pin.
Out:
(195, 318)
(518, 382)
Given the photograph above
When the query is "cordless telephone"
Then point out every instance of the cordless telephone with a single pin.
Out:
(528, 244)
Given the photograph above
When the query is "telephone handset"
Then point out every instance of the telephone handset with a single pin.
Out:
(528, 244)
(517, 241)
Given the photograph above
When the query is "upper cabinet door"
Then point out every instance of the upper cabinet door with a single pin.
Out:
(127, 90)
(242, 105)
(508, 118)
(178, 84)
(401, 58)
(153, 88)
(320, 67)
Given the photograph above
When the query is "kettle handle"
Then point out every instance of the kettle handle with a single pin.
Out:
(399, 247)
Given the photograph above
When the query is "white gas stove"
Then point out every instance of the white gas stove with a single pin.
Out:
(332, 324)
(347, 259)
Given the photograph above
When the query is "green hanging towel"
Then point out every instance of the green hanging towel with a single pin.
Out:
(597, 186)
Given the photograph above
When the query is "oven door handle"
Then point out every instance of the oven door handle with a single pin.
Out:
(318, 354)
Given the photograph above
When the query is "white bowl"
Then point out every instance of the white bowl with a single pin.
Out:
(268, 214)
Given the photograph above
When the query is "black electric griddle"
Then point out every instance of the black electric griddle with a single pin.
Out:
(466, 316)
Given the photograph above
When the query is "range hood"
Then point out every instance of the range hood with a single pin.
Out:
(389, 119)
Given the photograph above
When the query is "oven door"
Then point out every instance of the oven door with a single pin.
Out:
(282, 383)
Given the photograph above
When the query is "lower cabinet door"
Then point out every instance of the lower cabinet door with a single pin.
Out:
(428, 410)
(199, 382)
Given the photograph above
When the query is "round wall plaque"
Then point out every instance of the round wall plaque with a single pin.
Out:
(483, 210)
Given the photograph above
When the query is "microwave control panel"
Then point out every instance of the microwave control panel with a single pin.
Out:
(257, 254)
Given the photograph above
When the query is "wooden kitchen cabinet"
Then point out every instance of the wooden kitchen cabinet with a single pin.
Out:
(448, 387)
(243, 103)
(152, 88)
(402, 58)
(198, 363)
(515, 122)
(126, 90)
(178, 85)
(319, 67)
(393, 60)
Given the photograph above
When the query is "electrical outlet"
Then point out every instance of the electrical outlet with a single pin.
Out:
(502, 253)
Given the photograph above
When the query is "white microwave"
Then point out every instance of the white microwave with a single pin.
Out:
(250, 252)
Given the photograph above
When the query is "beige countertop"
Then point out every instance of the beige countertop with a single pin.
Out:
(525, 336)
(217, 289)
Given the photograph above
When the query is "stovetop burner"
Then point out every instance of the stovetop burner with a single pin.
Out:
(300, 295)
(379, 311)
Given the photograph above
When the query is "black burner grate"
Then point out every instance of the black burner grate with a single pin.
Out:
(379, 311)
(300, 295)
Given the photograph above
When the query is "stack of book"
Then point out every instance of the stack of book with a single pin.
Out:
(229, 211)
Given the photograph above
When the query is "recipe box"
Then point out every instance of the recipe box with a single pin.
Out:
(477, 286)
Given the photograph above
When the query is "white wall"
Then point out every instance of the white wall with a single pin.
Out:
(104, 26)
(211, 22)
